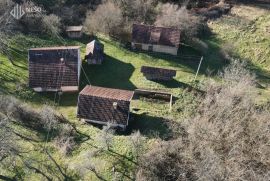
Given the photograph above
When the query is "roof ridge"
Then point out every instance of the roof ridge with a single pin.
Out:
(112, 94)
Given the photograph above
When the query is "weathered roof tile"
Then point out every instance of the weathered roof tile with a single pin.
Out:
(156, 35)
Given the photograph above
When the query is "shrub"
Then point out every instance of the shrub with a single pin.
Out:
(8, 145)
(105, 138)
(65, 139)
(107, 19)
(137, 143)
(43, 121)
(228, 51)
(174, 16)
(141, 11)
(51, 25)
(228, 139)
(198, 45)
(167, 161)
(5, 5)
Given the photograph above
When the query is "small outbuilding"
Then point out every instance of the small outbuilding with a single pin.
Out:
(54, 69)
(155, 39)
(74, 31)
(94, 52)
(105, 106)
(154, 73)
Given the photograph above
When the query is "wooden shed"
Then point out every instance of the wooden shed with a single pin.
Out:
(54, 68)
(94, 52)
(156, 39)
(154, 73)
(105, 105)
(74, 31)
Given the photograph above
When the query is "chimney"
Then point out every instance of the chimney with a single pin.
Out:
(115, 105)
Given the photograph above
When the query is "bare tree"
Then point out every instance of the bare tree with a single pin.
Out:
(175, 16)
(141, 11)
(228, 139)
(8, 146)
(105, 138)
(88, 163)
(65, 140)
(107, 18)
(7, 25)
(51, 25)
(137, 144)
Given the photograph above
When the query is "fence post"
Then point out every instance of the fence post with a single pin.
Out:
(198, 69)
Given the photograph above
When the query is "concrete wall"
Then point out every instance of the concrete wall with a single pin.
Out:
(63, 89)
(159, 48)
(72, 34)
(145, 47)
(106, 123)
(165, 49)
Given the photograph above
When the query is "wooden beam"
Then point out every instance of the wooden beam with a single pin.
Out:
(171, 100)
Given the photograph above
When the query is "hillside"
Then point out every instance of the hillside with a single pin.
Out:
(244, 34)
(121, 69)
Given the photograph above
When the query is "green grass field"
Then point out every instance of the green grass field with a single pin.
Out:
(247, 31)
(121, 69)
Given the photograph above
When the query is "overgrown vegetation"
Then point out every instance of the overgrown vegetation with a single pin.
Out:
(227, 139)
(217, 129)
(191, 26)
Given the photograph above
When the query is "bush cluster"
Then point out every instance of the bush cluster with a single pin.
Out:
(46, 121)
(228, 138)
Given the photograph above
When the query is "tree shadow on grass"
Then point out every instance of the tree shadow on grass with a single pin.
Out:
(112, 73)
(149, 126)
(188, 57)
(263, 4)
(69, 99)
(173, 84)
(261, 74)
(176, 84)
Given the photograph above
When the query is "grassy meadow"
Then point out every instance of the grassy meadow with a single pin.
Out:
(248, 33)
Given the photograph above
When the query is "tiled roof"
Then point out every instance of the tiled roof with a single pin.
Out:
(158, 71)
(107, 93)
(98, 104)
(74, 28)
(57, 48)
(53, 68)
(156, 35)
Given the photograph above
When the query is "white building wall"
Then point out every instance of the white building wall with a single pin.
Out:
(165, 49)
(159, 48)
(145, 47)
(74, 34)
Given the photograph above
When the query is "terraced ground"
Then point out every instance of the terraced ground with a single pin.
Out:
(246, 29)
